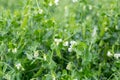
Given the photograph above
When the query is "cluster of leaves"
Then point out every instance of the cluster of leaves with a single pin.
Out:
(28, 29)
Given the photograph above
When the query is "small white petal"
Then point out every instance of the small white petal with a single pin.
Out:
(60, 40)
(117, 55)
(73, 42)
(14, 50)
(18, 66)
(70, 49)
(54, 78)
(109, 54)
(57, 41)
(68, 66)
(40, 11)
(56, 2)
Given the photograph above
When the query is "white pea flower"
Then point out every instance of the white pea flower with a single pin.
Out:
(74, 1)
(40, 11)
(57, 41)
(18, 66)
(70, 49)
(117, 55)
(14, 50)
(54, 78)
(66, 43)
(109, 54)
(33, 79)
(56, 2)
(36, 54)
(73, 43)
(68, 66)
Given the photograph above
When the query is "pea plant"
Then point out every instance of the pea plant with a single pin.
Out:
(59, 40)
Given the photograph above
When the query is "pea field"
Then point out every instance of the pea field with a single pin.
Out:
(59, 39)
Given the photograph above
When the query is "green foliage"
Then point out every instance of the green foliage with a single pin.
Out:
(64, 40)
